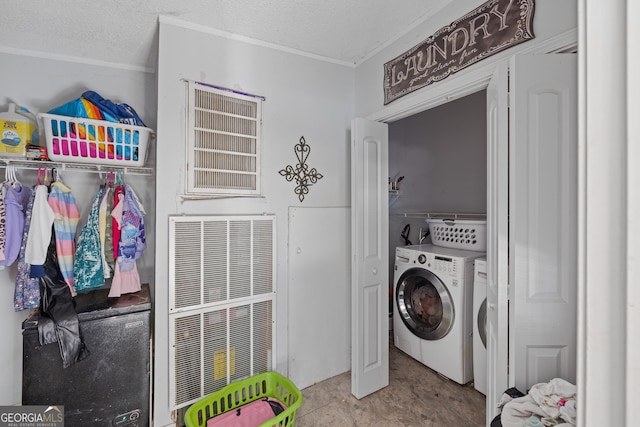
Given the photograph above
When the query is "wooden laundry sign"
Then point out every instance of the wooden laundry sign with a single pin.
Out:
(492, 27)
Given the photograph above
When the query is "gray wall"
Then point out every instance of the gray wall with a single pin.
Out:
(442, 153)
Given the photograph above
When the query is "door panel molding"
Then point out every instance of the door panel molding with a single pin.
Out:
(370, 255)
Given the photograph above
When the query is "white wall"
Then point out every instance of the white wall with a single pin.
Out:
(41, 84)
(304, 97)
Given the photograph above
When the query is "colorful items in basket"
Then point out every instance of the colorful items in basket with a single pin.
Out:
(91, 105)
(111, 142)
(82, 145)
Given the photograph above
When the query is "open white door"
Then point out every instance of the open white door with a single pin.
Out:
(531, 223)
(370, 255)
(543, 213)
(497, 238)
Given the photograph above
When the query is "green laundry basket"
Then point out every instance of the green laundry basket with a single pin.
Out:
(238, 393)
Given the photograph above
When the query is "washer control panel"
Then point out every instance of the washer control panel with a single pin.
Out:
(441, 264)
(444, 264)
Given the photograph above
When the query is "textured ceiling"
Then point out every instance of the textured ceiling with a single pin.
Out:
(125, 32)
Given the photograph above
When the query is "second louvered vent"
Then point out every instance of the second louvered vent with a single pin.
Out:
(221, 302)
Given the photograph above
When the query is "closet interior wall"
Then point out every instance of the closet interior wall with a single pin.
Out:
(40, 84)
(442, 154)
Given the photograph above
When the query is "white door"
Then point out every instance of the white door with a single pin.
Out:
(543, 210)
(370, 256)
(532, 223)
(497, 238)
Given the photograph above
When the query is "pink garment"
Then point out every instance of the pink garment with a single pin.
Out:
(116, 214)
(250, 414)
(124, 282)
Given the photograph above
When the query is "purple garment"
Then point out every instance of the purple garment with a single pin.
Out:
(132, 238)
(3, 191)
(27, 292)
(15, 201)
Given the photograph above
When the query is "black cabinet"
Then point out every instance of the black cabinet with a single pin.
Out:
(111, 387)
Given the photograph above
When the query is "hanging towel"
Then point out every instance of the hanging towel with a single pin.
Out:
(65, 223)
(27, 291)
(88, 271)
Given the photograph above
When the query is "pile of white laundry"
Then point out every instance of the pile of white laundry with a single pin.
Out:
(547, 404)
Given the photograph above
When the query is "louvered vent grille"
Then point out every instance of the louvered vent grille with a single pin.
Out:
(224, 142)
(187, 357)
(222, 299)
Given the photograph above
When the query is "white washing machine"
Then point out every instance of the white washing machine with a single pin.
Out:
(480, 325)
(433, 306)
(403, 337)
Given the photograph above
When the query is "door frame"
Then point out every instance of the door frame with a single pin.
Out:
(609, 194)
(473, 80)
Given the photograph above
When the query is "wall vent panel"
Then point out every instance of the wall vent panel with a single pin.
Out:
(223, 141)
(221, 302)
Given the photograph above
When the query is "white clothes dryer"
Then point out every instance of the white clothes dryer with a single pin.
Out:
(480, 325)
(433, 308)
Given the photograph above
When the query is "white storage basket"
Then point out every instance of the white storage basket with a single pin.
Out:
(78, 140)
(459, 234)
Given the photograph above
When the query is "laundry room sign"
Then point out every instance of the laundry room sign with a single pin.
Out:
(490, 28)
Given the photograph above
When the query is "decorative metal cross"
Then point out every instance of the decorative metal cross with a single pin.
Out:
(304, 176)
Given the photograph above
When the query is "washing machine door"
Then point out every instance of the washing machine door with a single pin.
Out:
(424, 304)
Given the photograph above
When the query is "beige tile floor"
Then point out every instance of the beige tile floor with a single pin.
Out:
(416, 396)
